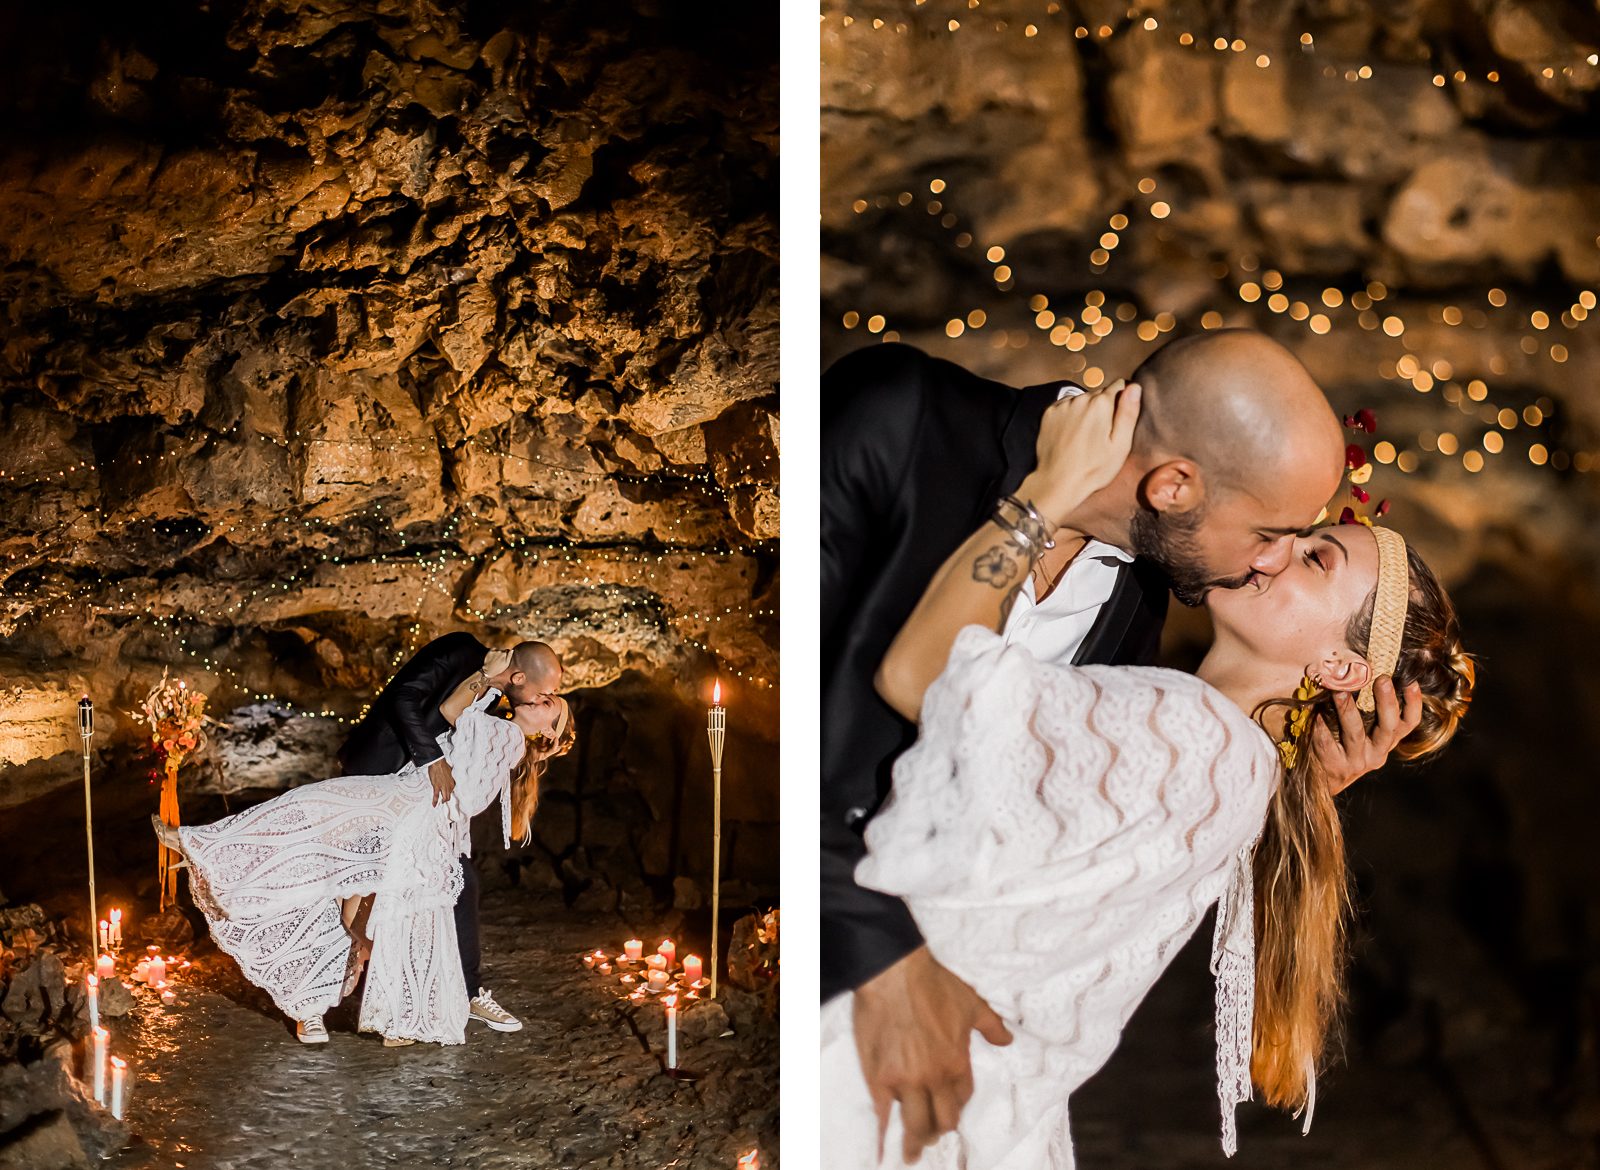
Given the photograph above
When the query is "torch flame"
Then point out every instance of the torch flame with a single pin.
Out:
(716, 694)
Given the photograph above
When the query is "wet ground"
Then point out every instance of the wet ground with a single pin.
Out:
(222, 1082)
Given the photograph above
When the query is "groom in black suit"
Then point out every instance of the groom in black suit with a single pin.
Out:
(1234, 453)
(403, 726)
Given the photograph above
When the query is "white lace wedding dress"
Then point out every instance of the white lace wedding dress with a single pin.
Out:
(270, 881)
(1058, 833)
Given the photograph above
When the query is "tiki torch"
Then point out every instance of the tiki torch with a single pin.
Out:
(86, 733)
(716, 729)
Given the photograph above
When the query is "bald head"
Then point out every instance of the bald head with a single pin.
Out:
(536, 660)
(1243, 409)
(535, 672)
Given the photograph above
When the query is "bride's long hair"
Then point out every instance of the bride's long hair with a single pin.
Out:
(525, 777)
(1302, 897)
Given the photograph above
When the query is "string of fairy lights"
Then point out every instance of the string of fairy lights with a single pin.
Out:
(971, 20)
(1079, 324)
(442, 564)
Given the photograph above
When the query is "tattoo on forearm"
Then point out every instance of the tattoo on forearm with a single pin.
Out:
(997, 567)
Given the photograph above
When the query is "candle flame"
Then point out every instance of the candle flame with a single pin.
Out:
(751, 1161)
(118, 1062)
(670, 1000)
(716, 694)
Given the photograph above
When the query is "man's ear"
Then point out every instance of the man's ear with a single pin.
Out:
(517, 678)
(1174, 486)
(1343, 670)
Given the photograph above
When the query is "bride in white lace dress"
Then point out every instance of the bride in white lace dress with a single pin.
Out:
(1059, 832)
(300, 889)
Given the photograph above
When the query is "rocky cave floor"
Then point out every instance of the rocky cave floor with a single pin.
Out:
(222, 1082)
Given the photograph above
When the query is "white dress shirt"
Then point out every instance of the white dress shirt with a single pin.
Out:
(1054, 630)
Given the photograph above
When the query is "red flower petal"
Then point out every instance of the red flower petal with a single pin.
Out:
(1383, 507)
(1367, 421)
(1354, 457)
(1348, 516)
(1360, 493)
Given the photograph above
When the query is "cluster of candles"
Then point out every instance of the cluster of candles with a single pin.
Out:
(662, 976)
(151, 970)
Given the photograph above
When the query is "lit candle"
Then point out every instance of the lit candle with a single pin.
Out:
(590, 960)
(604, 968)
(142, 971)
(98, 1073)
(168, 996)
(156, 976)
(633, 949)
(658, 979)
(119, 1075)
(94, 1002)
(672, 1030)
(669, 951)
(105, 935)
(656, 962)
(750, 1161)
(105, 966)
(691, 968)
(116, 929)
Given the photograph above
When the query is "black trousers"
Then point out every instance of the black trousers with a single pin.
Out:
(467, 925)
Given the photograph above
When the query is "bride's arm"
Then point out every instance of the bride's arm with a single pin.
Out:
(1083, 443)
(461, 698)
(473, 685)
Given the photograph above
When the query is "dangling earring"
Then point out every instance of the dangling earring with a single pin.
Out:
(1299, 719)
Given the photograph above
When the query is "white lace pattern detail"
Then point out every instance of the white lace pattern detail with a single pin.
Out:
(1059, 832)
(270, 881)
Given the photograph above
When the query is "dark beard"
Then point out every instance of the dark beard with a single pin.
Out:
(1168, 541)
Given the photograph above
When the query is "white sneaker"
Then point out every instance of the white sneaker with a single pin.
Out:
(484, 1008)
(312, 1031)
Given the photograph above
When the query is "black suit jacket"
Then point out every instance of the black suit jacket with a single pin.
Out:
(404, 722)
(915, 452)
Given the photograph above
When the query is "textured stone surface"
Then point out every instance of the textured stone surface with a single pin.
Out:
(332, 328)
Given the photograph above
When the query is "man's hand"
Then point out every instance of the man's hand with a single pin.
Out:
(442, 779)
(1343, 763)
(913, 1026)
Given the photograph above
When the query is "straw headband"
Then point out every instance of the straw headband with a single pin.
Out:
(1388, 612)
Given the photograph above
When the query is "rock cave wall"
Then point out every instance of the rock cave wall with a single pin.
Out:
(1408, 195)
(329, 328)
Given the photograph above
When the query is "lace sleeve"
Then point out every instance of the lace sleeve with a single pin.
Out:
(1233, 963)
(957, 816)
(482, 751)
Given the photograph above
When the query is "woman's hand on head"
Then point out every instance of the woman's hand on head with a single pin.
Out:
(496, 661)
(1083, 443)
